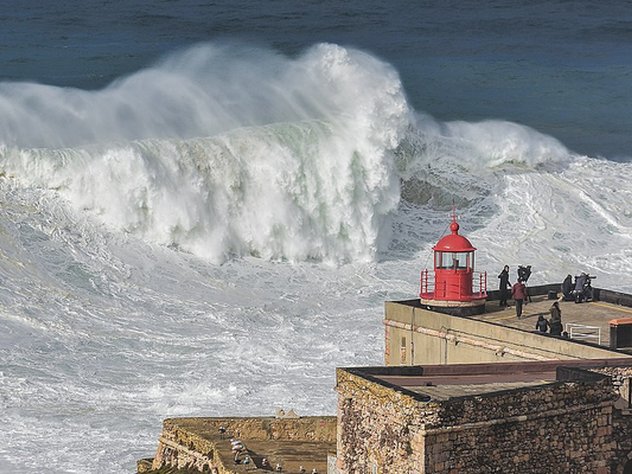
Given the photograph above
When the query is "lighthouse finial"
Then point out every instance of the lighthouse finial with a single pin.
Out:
(454, 226)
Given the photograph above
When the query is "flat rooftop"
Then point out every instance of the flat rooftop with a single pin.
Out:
(442, 382)
(585, 322)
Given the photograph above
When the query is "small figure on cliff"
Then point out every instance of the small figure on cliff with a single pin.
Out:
(278, 468)
(556, 319)
(519, 293)
(301, 470)
(237, 446)
(222, 432)
(542, 325)
(265, 462)
(504, 286)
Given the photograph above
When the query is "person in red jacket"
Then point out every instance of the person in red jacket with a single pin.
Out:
(519, 293)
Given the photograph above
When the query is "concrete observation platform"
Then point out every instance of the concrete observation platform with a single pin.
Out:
(585, 322)
(418, 335)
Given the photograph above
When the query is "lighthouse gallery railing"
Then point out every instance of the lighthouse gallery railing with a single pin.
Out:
(427, 287)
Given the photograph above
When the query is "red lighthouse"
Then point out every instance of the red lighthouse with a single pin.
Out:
(457, 289)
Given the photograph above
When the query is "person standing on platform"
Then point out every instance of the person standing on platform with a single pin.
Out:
(504, 286)
(567, 288)
(524, 272)
(519, 293)
(556, 319)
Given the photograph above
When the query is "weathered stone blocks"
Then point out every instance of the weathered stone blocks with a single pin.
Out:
(566, 426)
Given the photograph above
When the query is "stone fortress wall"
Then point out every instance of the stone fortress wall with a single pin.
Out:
(574, 425)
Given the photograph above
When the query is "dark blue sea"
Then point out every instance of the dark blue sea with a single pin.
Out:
(204, 205)
(561, 67)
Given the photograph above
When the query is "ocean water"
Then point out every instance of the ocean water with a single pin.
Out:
(204, 206)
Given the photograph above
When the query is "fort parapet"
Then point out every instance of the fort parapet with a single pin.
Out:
(204, 445)
(515, 418)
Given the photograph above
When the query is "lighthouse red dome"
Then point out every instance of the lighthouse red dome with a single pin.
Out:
(454, 242)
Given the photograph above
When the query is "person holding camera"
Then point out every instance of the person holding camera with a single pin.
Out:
(524, 272)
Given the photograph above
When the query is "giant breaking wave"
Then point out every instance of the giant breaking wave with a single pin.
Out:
(223, 151)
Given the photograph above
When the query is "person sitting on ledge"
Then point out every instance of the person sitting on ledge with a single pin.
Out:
(542, 325)
(236, 445)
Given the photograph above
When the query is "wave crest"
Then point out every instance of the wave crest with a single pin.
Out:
(290, 159)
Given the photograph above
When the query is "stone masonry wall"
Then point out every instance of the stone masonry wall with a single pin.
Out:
(622, 416)
(622, 434)
(553, 397)
(378, 426)
(185, 450)
(546, 437)
(561, 427)
(305, 428)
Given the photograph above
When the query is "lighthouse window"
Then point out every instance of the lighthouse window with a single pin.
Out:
(460, 260)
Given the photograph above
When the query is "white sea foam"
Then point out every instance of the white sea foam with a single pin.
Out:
(114, 313)
(292, 160)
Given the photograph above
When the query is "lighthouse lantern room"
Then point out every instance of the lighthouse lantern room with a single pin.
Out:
(456, 289)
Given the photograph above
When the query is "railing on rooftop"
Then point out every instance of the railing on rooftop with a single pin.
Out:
(583, 332)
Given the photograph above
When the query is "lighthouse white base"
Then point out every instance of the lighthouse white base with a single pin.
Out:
(457, 308)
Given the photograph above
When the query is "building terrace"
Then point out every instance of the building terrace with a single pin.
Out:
(415, 334)
(586, 322)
